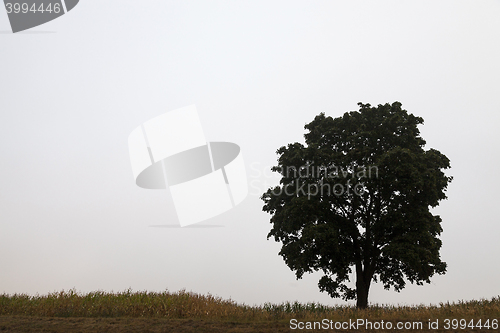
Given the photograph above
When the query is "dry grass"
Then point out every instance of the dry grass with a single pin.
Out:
(181, 305)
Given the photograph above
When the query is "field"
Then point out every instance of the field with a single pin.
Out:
(188, 312)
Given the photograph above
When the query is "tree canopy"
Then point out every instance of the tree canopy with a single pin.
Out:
(357, 196)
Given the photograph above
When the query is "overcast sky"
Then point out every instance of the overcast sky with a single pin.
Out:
(73, 89)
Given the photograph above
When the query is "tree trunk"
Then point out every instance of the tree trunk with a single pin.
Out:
(362, 287)
(361, 296)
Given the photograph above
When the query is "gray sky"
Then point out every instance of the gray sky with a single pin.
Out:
(71, 215)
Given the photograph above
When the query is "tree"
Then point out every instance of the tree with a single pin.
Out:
(358, 195)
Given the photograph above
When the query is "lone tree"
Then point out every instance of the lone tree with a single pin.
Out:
(357, 195)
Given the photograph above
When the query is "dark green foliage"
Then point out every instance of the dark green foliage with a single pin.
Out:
(358, 194)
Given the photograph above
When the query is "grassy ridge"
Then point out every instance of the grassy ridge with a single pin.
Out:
(183, 304)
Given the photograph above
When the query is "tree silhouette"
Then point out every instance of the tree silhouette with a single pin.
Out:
(358, 195)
